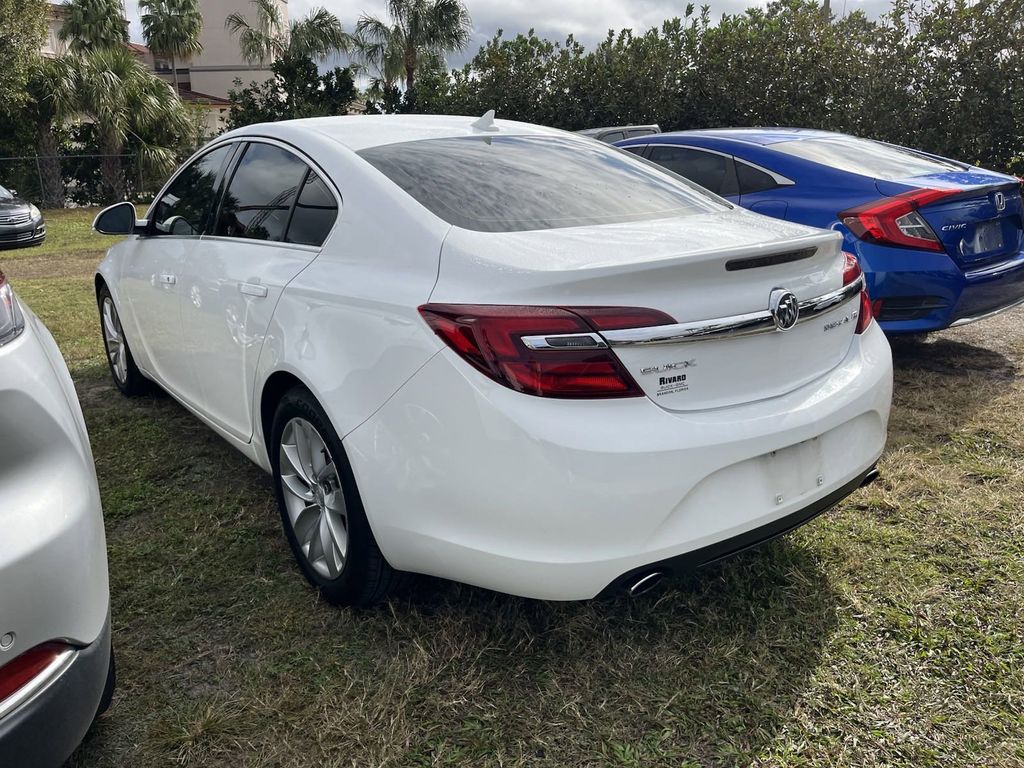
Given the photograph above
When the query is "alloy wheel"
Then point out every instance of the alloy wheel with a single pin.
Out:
(313, 497)
(113, 335)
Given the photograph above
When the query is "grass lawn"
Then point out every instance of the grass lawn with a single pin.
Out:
(888, 632)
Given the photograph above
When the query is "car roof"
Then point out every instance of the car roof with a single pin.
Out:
(613, 128)
(363, 131)
(762, 136)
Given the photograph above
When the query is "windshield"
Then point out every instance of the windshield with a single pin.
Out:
(867, 157)
(5, 195)
(516, 183)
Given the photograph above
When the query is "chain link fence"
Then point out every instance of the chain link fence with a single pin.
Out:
(68, 181)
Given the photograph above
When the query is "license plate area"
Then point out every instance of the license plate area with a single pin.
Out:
(795, 471)
(988, 236)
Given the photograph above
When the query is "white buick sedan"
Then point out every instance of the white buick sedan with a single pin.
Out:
(497, 353)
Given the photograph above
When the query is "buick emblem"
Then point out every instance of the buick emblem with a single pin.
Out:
(785, 309)
(1000, 200)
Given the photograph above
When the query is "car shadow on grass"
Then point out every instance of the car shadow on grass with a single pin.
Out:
(941, 383)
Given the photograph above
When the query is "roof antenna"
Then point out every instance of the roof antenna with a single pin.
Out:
(485, 122)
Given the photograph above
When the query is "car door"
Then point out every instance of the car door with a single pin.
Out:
(274, 215)
(149, 280)
(714, 171)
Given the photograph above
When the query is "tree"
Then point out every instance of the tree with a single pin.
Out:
(317, 35)
(418, 29)
(53, 91)
(296, 90)
(21, 34)
(172, 29)
(124, 99)
(93, 24)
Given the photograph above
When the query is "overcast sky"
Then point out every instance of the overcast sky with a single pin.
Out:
(588, 20)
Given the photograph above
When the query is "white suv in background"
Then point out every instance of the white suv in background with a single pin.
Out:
(56, 661)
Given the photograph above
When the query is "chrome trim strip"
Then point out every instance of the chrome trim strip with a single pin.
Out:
(733, 326)
(50, 674)
(565, 341)
(993, 313)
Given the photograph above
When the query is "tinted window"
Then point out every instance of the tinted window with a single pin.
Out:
(315, 212)
(866, 157)
(512, 183)
(636, 149)
(259, 197)
(714, 172)
(752, 180)
(189, 202)
(613, 136)
(639, 132)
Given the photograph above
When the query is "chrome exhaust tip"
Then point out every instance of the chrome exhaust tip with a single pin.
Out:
(870, 477)
(645, 583)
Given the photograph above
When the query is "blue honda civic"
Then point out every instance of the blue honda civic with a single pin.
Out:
(941, 242)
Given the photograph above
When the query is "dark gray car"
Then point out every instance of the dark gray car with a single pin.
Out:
(21, 223)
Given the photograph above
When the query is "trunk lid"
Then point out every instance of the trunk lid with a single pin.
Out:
(982, 224)
(694, 268)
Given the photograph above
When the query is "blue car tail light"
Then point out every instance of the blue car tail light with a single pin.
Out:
(896, 221)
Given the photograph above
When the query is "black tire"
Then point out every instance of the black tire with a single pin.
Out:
(133, 383)
(365, 577)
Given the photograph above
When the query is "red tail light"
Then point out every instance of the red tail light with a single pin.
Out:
(896, 221)
(868, 309)
(20, 671)
(490, 338)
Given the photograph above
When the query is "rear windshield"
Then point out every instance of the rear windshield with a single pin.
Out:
(515, 183)
(867, 158)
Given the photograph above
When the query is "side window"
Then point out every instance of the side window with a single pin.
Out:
(639, 132)
(260, 194)
(190, 200)
(752, 180)
(315, 212)
(612, 137)
(711, 171)
(636, 149)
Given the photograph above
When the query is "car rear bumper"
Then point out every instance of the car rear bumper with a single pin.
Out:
(45, 729)
(923, 292)
(555, 499)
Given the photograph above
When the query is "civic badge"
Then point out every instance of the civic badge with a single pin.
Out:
(785, 308)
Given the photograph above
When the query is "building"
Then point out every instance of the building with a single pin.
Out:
(206, 78)
(215, 70)
(53, 46)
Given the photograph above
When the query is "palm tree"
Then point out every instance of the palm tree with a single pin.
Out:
(92, 24)
(384, 59)
(418, 28)
(124, 99)
(52, 91)
(316, 36)
(172, 29)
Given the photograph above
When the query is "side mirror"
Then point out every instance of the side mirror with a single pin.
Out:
(118, 219)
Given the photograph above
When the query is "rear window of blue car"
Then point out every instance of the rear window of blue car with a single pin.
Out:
(867, 157)
(517, 183)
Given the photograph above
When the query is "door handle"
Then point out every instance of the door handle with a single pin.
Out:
(168, 279)
(253, 289)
